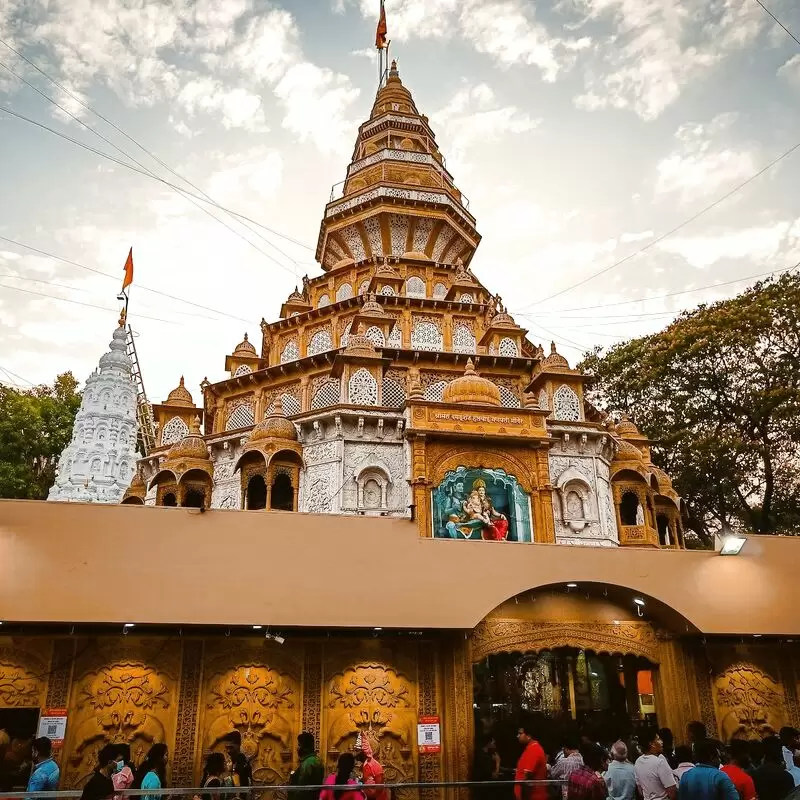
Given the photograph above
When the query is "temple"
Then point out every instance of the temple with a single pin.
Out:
(98, 463)
(380, 518)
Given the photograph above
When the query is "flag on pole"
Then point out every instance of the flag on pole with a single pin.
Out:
(128, 279)
(380, 33)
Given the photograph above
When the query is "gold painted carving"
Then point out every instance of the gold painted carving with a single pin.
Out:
(751, 704)
(498, 635)
(21, 674)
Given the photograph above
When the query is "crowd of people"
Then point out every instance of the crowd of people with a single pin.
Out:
(648, 767)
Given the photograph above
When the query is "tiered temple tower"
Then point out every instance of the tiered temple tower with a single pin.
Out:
(97, 465)
(396, 384)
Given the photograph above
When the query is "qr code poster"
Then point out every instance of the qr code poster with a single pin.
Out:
(429, 735)
(53, 725)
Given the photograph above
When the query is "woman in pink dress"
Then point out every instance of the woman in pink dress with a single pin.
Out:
(338, 784)
(123, 776)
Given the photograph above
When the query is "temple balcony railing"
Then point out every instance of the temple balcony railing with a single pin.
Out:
(638, 536)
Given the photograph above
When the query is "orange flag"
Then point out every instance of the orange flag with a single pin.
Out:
(128, 279)
(380, 33)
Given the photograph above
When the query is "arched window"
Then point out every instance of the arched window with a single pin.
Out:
(362, 388)
(169, 500)
(508, 347)
(326, 395)
(281, 495)
(290, 352)
(415, 287)
(508, 398)
(387, 291)
(320, 342)
(324, 300)
(256, 493)
(194, 498)
(664, 533)
(566, 405)
(629, 508)
(173, 431)
(463, 339)
(364, 287)
(395, 337)
(344, 292)
(466, 297)
(425, 335)
(394, 395)
(242, 369)
(242, 416)
(375, 335)
(435, 391)
(439, 291)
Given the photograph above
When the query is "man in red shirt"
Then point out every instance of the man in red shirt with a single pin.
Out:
(735, 769)
(532, 766)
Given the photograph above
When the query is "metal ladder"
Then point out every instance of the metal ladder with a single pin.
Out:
(144, 411)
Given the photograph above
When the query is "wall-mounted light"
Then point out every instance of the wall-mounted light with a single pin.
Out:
(128, 624)
(257, 627)
(638, 601)
(732, 545)
(572, 586)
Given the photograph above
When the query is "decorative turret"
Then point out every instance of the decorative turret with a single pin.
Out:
(398, 198)
(99, 462)
(243, 360)
(471, 389)
(558, 387)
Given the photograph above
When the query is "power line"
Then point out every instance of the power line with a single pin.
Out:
(139, 145)
(670, 232)
(147, 171)
(80, 303)
(668, 294)
(778, 21)
(147, 174)
(116, 278)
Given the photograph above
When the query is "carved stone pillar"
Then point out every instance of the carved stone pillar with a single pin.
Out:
(183, 756)
(312, 694)
(58, 684)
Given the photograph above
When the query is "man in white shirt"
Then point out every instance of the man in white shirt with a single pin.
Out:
(653, 774)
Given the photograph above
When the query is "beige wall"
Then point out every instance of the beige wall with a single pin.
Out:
(93, 563)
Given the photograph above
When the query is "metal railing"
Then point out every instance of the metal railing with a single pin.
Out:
(486, 790)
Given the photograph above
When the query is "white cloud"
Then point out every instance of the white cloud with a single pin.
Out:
(238, 108)
(791, 70)
(259, 171)
(754, 244)
(636, 237)
(700, 166)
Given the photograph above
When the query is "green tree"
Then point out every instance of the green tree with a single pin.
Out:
(35, 426)
(718, 391)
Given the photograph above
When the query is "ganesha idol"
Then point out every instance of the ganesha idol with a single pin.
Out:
(474, 517)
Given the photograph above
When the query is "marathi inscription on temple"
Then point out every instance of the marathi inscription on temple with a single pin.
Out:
(452, 417)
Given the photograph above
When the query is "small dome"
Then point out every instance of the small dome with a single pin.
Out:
(503, 320)
(471, 388)
(626, 428)
(180, 396)
(386, 270)
(555, 359)
(372, 306)
(358, 343)
(664, 481)
(245, 348)
(191, 446)
(275, 426)
(294, 297)
(627, 452)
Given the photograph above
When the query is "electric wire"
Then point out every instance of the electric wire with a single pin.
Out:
(778, 21)
(138, 144)
(670, 232)
(147, 171)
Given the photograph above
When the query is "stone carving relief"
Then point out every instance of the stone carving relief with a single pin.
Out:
(751, 704)
(227, 489)
(21, 677)
(126, 697)
(378, 702)
(261, 700)
(387, 458)
(320, 488)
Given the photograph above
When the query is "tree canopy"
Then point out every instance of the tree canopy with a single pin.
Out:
(718, 391)
(35, 426)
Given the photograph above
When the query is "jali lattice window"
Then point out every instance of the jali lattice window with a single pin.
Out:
(395, 337)
(508, 347)
(394, 395)
(326, 395)
(291, 405)
(242, 369)
(387, 291)
(345, 335)
(466, 297)
(290, 352)
(566, 404)
(435, 391)
(375, 335)
(463, 339)
(362, 389)
(508, 398)
(439, 291)
(320, 342)
(415, 287)
(174, 431)
(344, 292)
(364, 287)
(324, 301)
(241, 417)
(543, 400)
(425, 335)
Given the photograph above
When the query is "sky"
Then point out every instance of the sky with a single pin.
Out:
(581, 131)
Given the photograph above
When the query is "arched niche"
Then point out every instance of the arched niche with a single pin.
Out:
(133, 500)
(166, 485)
(577, 501)
(252, 467)
(195, 489)
(373, 481)
(283, 480)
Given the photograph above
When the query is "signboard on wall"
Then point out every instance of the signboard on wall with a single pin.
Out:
(429, 738)
(53, 725)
